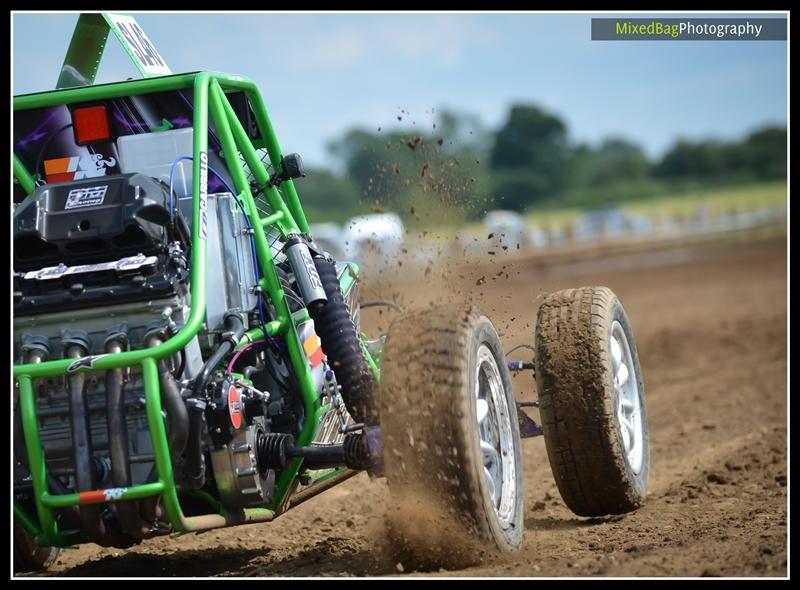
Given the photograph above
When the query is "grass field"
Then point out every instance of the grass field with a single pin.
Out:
(717, 200)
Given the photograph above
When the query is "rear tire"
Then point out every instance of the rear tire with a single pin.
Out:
(455, 482)
(28, 556)
(592, 401)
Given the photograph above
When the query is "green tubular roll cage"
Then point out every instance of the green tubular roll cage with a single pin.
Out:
(287, 218)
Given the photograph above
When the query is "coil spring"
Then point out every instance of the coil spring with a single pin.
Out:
(356, 451)
(271, 450)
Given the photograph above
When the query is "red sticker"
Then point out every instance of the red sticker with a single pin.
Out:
(235, 406)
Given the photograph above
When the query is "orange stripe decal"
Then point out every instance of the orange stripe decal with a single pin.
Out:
(92, 497)
(61, 169)
(317, 357)
(313, 349)
(311, 344)
(58, 165)
(66, 177)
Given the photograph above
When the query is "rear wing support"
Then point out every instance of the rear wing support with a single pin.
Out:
(89, 41)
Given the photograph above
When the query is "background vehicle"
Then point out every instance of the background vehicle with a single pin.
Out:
(188, 358)
(377, 234)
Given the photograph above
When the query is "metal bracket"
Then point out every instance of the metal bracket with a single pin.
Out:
(89, 41)
(520, 366)
(527, 427)
(533, 404)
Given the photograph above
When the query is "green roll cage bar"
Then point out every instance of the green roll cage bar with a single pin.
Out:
(287, 218)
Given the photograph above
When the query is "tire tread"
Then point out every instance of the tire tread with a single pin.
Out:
(577, 404)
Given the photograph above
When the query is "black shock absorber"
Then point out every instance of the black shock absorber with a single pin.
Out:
(319, 286)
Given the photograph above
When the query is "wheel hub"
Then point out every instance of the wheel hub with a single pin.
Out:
(495, 435)
(628, 403)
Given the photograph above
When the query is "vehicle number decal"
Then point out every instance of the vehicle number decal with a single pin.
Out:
(138, 45)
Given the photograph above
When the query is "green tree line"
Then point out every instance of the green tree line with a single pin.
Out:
(458, 169)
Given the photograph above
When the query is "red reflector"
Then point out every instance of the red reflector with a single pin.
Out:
(91, 124)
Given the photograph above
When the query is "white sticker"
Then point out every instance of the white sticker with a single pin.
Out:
(89, 196)
(131, 35)
(123, 264)
(112, 494)
(94, 165)
(311, 270)
(203, 195)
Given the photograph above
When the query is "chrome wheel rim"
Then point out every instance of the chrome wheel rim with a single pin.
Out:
(496, 436)
(628, 403)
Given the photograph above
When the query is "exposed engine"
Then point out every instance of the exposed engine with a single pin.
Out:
(101, 266)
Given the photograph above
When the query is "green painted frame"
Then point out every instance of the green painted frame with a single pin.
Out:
(287, 217)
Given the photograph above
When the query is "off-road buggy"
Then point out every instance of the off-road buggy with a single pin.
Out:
(187, 358)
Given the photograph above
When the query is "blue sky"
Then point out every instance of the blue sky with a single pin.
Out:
(322, 74)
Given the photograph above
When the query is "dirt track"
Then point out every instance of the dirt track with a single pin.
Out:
(710, 323)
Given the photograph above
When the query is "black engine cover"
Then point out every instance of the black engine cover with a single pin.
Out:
(92, 220)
